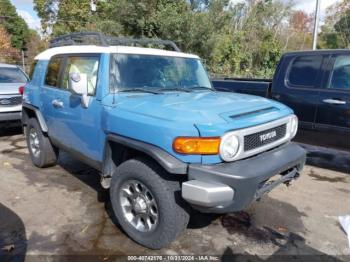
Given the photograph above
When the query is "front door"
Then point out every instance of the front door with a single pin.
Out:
(71, 125)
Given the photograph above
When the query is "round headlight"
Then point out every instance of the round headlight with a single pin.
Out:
(293, 126)
(229, 147)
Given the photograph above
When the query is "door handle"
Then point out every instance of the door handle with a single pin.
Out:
(334, 101)
(57, 103)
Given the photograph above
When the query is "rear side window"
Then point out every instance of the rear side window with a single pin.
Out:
(53, 71)
(340, 78)
(304, 70)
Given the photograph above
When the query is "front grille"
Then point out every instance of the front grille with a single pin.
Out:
(265, 137)
(11, 101)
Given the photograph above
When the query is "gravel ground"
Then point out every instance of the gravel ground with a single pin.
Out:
(64, 211)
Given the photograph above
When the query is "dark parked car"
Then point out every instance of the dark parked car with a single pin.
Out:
(316, 85)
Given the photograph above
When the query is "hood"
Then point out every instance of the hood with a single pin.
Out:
(10, 88)
(203, 109)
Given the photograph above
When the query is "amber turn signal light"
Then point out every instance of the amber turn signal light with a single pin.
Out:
(197, 145)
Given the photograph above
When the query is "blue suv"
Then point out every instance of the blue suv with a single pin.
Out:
(164, 141)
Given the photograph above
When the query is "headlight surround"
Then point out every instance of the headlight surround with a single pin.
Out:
(229, 147)
(293, 126)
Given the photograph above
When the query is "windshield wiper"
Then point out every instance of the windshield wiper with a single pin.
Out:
(200, 88)
(181, 89)
(223, 89)
(140, 89)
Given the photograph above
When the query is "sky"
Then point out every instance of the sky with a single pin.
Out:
(25, 9)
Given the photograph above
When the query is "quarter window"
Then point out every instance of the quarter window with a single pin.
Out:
(340, 77)
(52, 75)
(82, 65)
(304, 71)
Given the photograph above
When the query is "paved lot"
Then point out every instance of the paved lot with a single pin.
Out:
(63, 210)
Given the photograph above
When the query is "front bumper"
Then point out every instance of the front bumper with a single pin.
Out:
(228, 187)
(10, 116)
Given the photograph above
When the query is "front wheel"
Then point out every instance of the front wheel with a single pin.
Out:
(148, 207)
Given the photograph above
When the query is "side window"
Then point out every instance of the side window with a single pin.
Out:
(82, 65)
(340, 76)
(53, 70)
(304, 70)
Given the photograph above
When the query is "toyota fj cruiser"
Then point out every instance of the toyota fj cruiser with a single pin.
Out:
(162, 138)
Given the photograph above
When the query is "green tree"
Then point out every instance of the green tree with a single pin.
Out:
(335, 31)
(14, 24)
(245, 39)
(63, 16)
(342, 28)
(8, 54)
(34, 46)
(47, 11)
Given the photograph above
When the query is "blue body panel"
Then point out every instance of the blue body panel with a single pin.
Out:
(156, 119)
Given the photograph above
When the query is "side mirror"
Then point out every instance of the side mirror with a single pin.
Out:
(78, 84)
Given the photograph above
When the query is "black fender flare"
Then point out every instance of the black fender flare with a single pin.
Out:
(171, 164)
(37, 113)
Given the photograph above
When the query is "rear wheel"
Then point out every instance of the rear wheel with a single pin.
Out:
(148, 206)
(41, 151)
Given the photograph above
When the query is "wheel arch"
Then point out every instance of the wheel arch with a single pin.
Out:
(119, 149)
(29, 111)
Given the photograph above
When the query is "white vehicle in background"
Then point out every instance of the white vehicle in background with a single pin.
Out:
(12, 81)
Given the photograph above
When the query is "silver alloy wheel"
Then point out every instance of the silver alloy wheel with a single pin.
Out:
(139, 205)
(34, 142)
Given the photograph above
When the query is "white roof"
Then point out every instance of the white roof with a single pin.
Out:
(88, 49)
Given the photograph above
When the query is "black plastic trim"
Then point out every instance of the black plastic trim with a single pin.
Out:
(38, 115)
(245, 176)
(10, 116)
(167, 161)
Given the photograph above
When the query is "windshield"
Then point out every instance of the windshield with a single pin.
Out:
(161, 73)
(12, 75)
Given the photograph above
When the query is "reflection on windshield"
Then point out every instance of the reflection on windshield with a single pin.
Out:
(11, 75)
(157, 73)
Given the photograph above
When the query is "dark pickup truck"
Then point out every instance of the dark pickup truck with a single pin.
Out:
(316, 85)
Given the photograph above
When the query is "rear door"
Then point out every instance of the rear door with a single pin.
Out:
(299, 87)
(333, 113)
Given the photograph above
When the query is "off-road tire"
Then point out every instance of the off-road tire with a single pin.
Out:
(48, 153)
(173, 211)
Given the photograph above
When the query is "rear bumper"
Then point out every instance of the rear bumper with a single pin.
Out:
(233, 186)
(10, 116)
